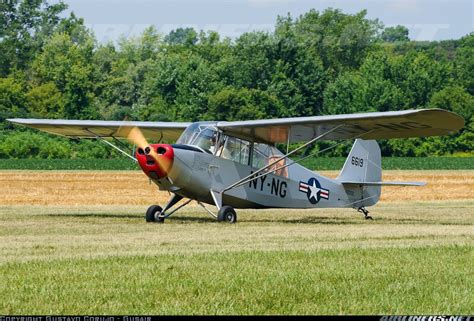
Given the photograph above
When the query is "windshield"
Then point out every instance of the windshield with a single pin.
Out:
(200, 135)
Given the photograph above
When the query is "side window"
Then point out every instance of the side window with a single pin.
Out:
(235, 149)
(264, 155)
(260, 155)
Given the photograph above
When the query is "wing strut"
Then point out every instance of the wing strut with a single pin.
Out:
(103, 140)
(252, 176)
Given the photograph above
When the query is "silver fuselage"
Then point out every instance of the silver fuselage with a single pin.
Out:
(195, 173)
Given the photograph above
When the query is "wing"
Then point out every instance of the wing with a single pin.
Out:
(379, 125)
(92, 128)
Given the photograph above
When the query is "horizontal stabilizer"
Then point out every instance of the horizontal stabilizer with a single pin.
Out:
(384, 183)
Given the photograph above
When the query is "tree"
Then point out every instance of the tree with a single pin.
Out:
(395, 34)
(345, 95)
(149, 43)
(340, 40)
(299, 86)
(464, 63)
(455, 99)
(287, 92)
(12, 98)
(182, 36)
(45, 101)
(68, 66)
(241, 104)
(419, 77)
(122, 74)
(381, 93)
(156, 110)
(196, 82)
(252, 64)
(26, 25)
(369, 89)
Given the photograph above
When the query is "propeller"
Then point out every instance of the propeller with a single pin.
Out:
(135, 136)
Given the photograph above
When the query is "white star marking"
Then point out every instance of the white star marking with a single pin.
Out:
(314, 190)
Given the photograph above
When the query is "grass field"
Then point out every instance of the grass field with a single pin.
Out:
(77, 243)
(315, 163)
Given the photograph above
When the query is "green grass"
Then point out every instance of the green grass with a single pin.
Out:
(322, 163)
(414, 258)
(381, 281)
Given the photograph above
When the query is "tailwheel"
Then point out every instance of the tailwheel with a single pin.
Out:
(153, 214)
(365, 212)
(227, 214)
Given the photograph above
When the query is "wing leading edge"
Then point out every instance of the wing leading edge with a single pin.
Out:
(377, 125)
(106, 129)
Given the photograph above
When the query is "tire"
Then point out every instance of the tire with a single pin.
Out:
(150, 213)
(227, 214)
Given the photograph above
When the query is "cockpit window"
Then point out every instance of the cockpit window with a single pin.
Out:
(210, 139)
(235, 149)
(200, 135)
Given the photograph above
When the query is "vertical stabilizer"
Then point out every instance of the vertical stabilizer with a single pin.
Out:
(364, 164)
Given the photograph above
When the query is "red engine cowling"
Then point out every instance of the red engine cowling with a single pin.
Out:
(155, 160)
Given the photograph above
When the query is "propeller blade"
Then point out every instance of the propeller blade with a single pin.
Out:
(135, 136)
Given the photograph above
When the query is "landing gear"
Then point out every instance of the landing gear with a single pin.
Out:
(153, 214)
(365, 212)
(227, 214)
(157, 214)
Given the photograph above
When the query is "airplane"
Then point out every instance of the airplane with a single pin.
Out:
(235, 164)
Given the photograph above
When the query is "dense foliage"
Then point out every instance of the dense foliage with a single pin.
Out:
(318, 63)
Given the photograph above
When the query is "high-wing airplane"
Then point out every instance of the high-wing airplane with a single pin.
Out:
(236, 164)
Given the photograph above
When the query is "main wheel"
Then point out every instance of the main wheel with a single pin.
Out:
(227, 214)
(151, 213)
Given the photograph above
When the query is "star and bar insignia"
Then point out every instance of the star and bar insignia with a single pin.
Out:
(313, 190)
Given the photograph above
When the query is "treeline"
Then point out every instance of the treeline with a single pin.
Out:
(318, 63)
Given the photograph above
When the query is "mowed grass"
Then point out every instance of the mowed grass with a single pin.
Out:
(382, 281)
(413, 258)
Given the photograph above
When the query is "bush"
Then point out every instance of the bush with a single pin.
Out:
(32, 144)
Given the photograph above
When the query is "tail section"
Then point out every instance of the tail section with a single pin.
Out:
(362, 166)
(361, 175)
